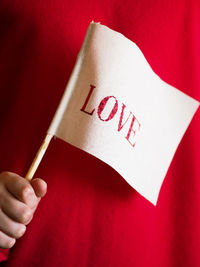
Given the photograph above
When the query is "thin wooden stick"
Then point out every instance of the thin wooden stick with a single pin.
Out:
(38, 157)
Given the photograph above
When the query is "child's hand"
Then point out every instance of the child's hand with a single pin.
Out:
(18, 201)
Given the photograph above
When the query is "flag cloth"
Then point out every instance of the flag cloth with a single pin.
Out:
(117, 109)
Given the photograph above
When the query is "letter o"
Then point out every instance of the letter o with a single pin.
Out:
(102, 106)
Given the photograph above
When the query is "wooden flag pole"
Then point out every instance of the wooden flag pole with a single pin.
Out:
(38, 157)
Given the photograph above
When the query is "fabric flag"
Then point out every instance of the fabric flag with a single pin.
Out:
(117, 109)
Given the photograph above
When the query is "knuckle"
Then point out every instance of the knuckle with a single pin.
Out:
(26, 214)
(29, 196)
(6, 176)
(5, 173)
(26, 191)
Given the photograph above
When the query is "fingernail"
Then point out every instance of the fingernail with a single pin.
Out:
(22, 231)
(11, 243)
(28, 191)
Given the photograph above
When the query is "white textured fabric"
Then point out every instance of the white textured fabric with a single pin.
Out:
(117, 109)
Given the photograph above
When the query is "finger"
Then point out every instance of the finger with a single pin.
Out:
(6, 241)
(11, 228)
(21, 189)
(16, 210)
(39, 186)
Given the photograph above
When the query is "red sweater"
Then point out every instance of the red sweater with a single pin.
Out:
(90, 215)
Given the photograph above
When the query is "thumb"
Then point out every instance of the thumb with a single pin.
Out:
(39, 186)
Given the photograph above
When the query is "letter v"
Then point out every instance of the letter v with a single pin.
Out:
(120, 125)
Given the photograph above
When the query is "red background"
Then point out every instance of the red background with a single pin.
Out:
(91, 216)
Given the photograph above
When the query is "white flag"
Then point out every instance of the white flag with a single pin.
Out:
(117, 109)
